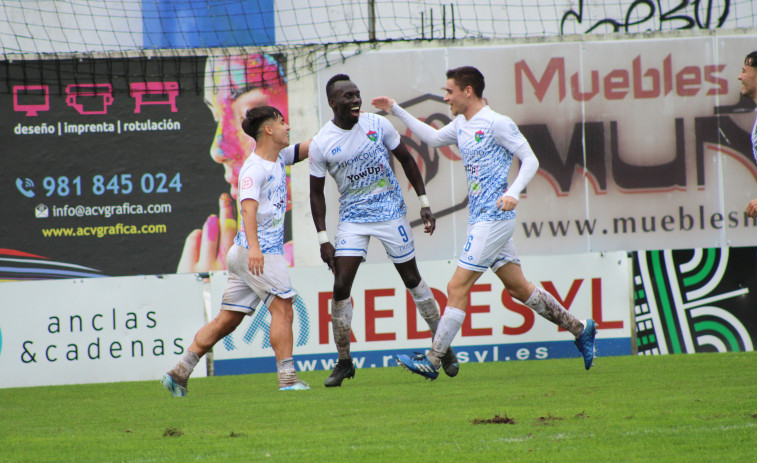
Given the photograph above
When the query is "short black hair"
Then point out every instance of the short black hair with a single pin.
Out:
(330, 84)
(751, 59)
(465, 76)
(255, 117)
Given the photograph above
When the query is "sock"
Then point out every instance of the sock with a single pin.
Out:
(286, 373)
(186, 364)
(341, 321)
(548, 307)
(449, 325)
(285, 364)
(424, 300)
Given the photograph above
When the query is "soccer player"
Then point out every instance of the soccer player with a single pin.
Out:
(354, 148)
(487, 141)
(256, 265)
(748, 79)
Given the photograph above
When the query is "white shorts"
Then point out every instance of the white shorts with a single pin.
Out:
(244, 291)
(396, 236)
(489, 245)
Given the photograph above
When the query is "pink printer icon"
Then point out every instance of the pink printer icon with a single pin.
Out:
(78, 94)
(153, 90)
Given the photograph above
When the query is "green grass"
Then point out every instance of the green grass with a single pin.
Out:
(684, 408)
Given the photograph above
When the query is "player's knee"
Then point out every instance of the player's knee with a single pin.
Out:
(341, 290)
(519, 292)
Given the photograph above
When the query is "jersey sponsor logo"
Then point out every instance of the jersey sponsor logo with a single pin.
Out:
(479, 136)
(246, 182)
(369, 171)
(372, 135)
(336, 150)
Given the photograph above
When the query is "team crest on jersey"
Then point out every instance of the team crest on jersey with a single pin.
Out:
(372, 135)
(479, 136)
(247, 182)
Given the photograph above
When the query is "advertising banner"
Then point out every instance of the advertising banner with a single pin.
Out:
(125, 166)
(385, 320)
(97, 330)
(642, 144)
(697, 300)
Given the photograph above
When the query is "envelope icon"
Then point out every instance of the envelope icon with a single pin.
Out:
(41, 211)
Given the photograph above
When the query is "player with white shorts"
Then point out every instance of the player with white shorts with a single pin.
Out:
(255, 262)
(354, 148)
(488, 142)
(489, 245)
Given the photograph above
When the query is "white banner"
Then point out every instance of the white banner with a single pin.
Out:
(97, 330)
(643, 144)
(385, 320)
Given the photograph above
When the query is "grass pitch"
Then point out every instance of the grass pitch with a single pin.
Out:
(676, 408)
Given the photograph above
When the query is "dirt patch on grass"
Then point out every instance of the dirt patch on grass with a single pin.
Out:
(496, 420)
(549, 419)
(173, 432)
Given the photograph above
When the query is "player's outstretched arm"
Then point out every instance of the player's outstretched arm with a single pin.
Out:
(318, 211)
(431, 136)
(415, 178)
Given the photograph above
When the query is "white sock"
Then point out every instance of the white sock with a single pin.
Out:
(341, 321)
(449, 325)
(424, 300)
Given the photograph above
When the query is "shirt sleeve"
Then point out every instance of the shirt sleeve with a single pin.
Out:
(288, 154)
(317, 162)
(507, 134)
(447, 135)
(250, 182)
(528, 167)
(391, 136)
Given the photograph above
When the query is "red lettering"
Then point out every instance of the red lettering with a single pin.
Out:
(616, 84)
(371, 314)
(710, 75)
(652, 73)
(581, 96)
(688, 81)
(520, 309)
(555, 66)
(667, 72)
(596, 307)
(324, 316)
(467, 329)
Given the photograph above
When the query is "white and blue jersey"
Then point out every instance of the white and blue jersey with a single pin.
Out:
(358, 160)
(487, 142)
(265, 182)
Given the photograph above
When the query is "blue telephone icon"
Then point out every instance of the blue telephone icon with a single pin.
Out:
(25, 187)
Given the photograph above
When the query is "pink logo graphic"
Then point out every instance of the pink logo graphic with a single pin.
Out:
(30, 93)
(153, 91)
(247, 182)
(88, 93)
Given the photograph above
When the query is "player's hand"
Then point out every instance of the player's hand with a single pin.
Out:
(327, 255)
(205, 250)
(383, 103)
(751, 208)
(429, 221)
(255, 260)
(506, 203)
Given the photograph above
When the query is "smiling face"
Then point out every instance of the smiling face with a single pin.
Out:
(456, 98)
(346, 103)
(748, 79)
